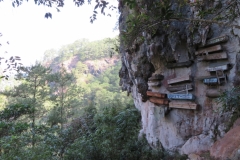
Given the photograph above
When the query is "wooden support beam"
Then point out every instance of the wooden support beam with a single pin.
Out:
(179, 64)
(216, 40)
(183, 105)
(209, 49)
(214, 56)
(186, 78)
(181, 96)
(158, 101)
(156, 77)
(156, 94)
(176, 88)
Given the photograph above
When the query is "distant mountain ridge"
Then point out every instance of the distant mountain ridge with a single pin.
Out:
(84, 56)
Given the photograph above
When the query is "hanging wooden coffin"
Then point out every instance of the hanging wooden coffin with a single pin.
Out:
(181, 96)
(222, 67)
(201, 78)
(154, 84)
(183, 105)
(158, 101)
(156, 77)
(210, 81)
(216, 40)
(214, 56)
(209, 49)
(176, 88)
(179, 64)
(156, 94)
(186, 78)
(213, 93)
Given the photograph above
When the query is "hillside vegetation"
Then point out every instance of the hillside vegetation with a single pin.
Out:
(70, 106)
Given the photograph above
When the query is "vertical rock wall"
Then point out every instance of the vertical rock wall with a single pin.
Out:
(180, 130)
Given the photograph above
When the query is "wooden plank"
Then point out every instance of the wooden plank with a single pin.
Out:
(180, 79)
(214, 56)
(179, 64)
(158, 101)
(181, 96)
(216, 40)
(209, 49)
(156, 77)
(180, 87)
(213, 93)
(183, 105)
(217, 68)
(156, 94)
(154, 84)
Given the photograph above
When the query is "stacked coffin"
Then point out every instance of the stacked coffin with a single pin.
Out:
(158, 98)
(179, 99)
(213, 51)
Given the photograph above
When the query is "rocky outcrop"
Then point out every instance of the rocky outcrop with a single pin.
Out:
(185, 46)
(228, 147)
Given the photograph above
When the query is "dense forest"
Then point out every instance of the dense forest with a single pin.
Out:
(70, 106)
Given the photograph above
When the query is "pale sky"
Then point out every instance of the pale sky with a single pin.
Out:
(29, 34)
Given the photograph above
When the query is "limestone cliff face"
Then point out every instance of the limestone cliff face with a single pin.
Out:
(179, 52)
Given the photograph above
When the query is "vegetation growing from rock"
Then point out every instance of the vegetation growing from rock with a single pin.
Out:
(157, 16)
(230, 104)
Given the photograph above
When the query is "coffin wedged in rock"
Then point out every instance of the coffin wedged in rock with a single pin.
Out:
(176, 88)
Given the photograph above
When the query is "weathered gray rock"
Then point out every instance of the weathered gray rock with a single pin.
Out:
(194, 157)
(197, 144)
(181, 130)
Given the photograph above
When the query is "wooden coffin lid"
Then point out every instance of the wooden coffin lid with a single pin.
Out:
(176, 88)
(183, 105)
(209, 49)
(186, 78)
(215, 56)
(220, 67)
(156, 94)
(216, 40)
(181, 96)
(158, 101)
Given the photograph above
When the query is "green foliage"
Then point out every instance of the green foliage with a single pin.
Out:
(150, 16)
(82, 50)
(230, 101)
(10, 128)
(146, 17)
(78, 115)
(14, 111)
(114, 137)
